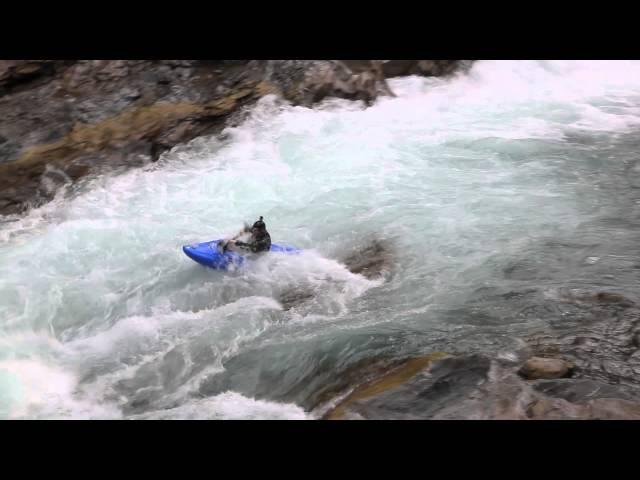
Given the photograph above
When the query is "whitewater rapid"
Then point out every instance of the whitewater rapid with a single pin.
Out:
(518, 175)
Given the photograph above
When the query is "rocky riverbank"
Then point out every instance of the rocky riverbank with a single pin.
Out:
(477, 387)
(65, 120)
(589, 370)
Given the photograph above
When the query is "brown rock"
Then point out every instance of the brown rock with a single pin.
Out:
(399, 68)
(428, 67)
(77, 171)
(538, 367)
(396, 377)
(372, 260)
(614, 298)
(538, 408)
(614, 409)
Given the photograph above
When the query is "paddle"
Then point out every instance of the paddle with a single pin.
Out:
(244, 230)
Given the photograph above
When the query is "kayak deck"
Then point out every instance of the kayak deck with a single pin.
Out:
(209, 254)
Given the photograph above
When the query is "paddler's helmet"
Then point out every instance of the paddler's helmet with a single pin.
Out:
(259, 225)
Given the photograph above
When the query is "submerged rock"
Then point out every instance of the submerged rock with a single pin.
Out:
(294, 297)
(599, 339)
(582, 390)
(599, 298)
(372, 260)
(477, 387)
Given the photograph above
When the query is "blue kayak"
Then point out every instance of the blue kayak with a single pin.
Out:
(209, 254)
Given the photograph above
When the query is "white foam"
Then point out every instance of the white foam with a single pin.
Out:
(35, 390)
(228, 406)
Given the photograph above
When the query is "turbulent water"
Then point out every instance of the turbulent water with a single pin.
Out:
(495, 190)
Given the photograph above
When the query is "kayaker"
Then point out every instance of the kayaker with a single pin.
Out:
(260, 240)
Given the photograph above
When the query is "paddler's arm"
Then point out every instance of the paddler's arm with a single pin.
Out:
(243, 245)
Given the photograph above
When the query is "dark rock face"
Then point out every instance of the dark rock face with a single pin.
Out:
(477, 387)
(400, 68)
(87, 116)
(307, 82)
(82, 117)
(586, 366)
(21, 74)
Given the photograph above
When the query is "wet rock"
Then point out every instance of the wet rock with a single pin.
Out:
(536, 368)
(602, 348)
(523, 270)
(309, 82)
(19, 74)
(320, 374)
(355, 403)
(170, 370)
(613, 409)
(544, 408)
(583, 390)
(602, 298)
(111, 69)
(334, 79)
(398, 68)
(475, 387)
(122, 137)
(93, 112)
(294, 297)
(370, 261)
(8, 149)
(130, 94)
(599, 409)
(607, 297)
(77, 171)
(466, 387)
